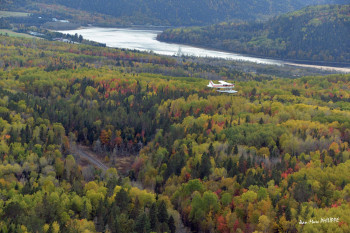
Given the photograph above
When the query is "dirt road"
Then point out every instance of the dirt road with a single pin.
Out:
(85, 155)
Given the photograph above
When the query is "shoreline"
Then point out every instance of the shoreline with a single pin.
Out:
(342, 68)
(294, 62)
(134, 27)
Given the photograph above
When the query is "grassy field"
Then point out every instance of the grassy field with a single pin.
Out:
(13, 14)
(15, 34)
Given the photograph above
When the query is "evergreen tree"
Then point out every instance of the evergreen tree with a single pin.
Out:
(171, 224)
(229, 165)
(211, 150)
(28, 134)
(247, 119)
(162, 212)
(23, 136)
(42, 135)
(136, 210)
(153, 217)
(209, 124)
(235, 151)
(288, 213)
(142, 224)
(241, 165)
(85, 212)
(205, 166)
(261, 121)
(99, 217)
(113, 220)
(27, 188)
(122, 200)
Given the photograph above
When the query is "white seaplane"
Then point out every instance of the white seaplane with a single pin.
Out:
(223, 87)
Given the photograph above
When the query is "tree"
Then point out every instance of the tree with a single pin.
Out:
(205, 166)
(192, 186)
(301, 191)
(126, 225)
(153, 213)
(59, 167)
(85, 212)
(55, 227)
(197, 213)
(105, 136)
(235, 151)
(13, 210)
(261, 121)
(136, 209)
(122, 200)
(142, 224)
(171, 224)
(222, 224)
(69, 166)
(162, 212)
(241, 165)
(210, 202)
(211, 150)
(264, 223)
(247, 119)
(229, 167)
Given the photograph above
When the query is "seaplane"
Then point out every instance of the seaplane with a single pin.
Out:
(224, 87)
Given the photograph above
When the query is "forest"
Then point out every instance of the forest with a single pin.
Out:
(160, 12)
(272, 158)
(314, 34)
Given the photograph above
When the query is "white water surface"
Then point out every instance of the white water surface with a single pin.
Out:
(145, 40)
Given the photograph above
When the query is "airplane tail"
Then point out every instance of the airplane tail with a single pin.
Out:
(210, 84)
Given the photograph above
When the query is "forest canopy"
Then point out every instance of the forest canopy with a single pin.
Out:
(314, 34)
(161, 12)
(274, 154)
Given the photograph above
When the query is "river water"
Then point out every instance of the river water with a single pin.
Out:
(145, 40)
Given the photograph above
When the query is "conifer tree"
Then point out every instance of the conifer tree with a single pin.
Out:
(162, 212)
(205, 166)
(142, 224)
(171, 224)
(235, 151)
(153, 217)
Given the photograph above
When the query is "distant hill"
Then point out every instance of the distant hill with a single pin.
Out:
(179, 12)
(315, 33)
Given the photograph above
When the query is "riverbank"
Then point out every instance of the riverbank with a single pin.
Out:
(144, 39)
(338, 66)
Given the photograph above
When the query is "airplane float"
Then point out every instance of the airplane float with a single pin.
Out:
(224, 87)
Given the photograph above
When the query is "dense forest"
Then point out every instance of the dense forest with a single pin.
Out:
(162, 12)
(273, 157)
(41, 15)
(317, 33)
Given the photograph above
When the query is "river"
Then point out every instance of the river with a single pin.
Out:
(145, 40)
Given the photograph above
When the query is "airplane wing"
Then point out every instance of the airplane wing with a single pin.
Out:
(223, 82)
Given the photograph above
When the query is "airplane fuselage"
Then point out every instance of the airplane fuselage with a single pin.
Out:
(223, 87)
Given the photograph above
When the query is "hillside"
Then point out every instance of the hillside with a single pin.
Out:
(267, 159)
(173, 12)
(317, 33)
